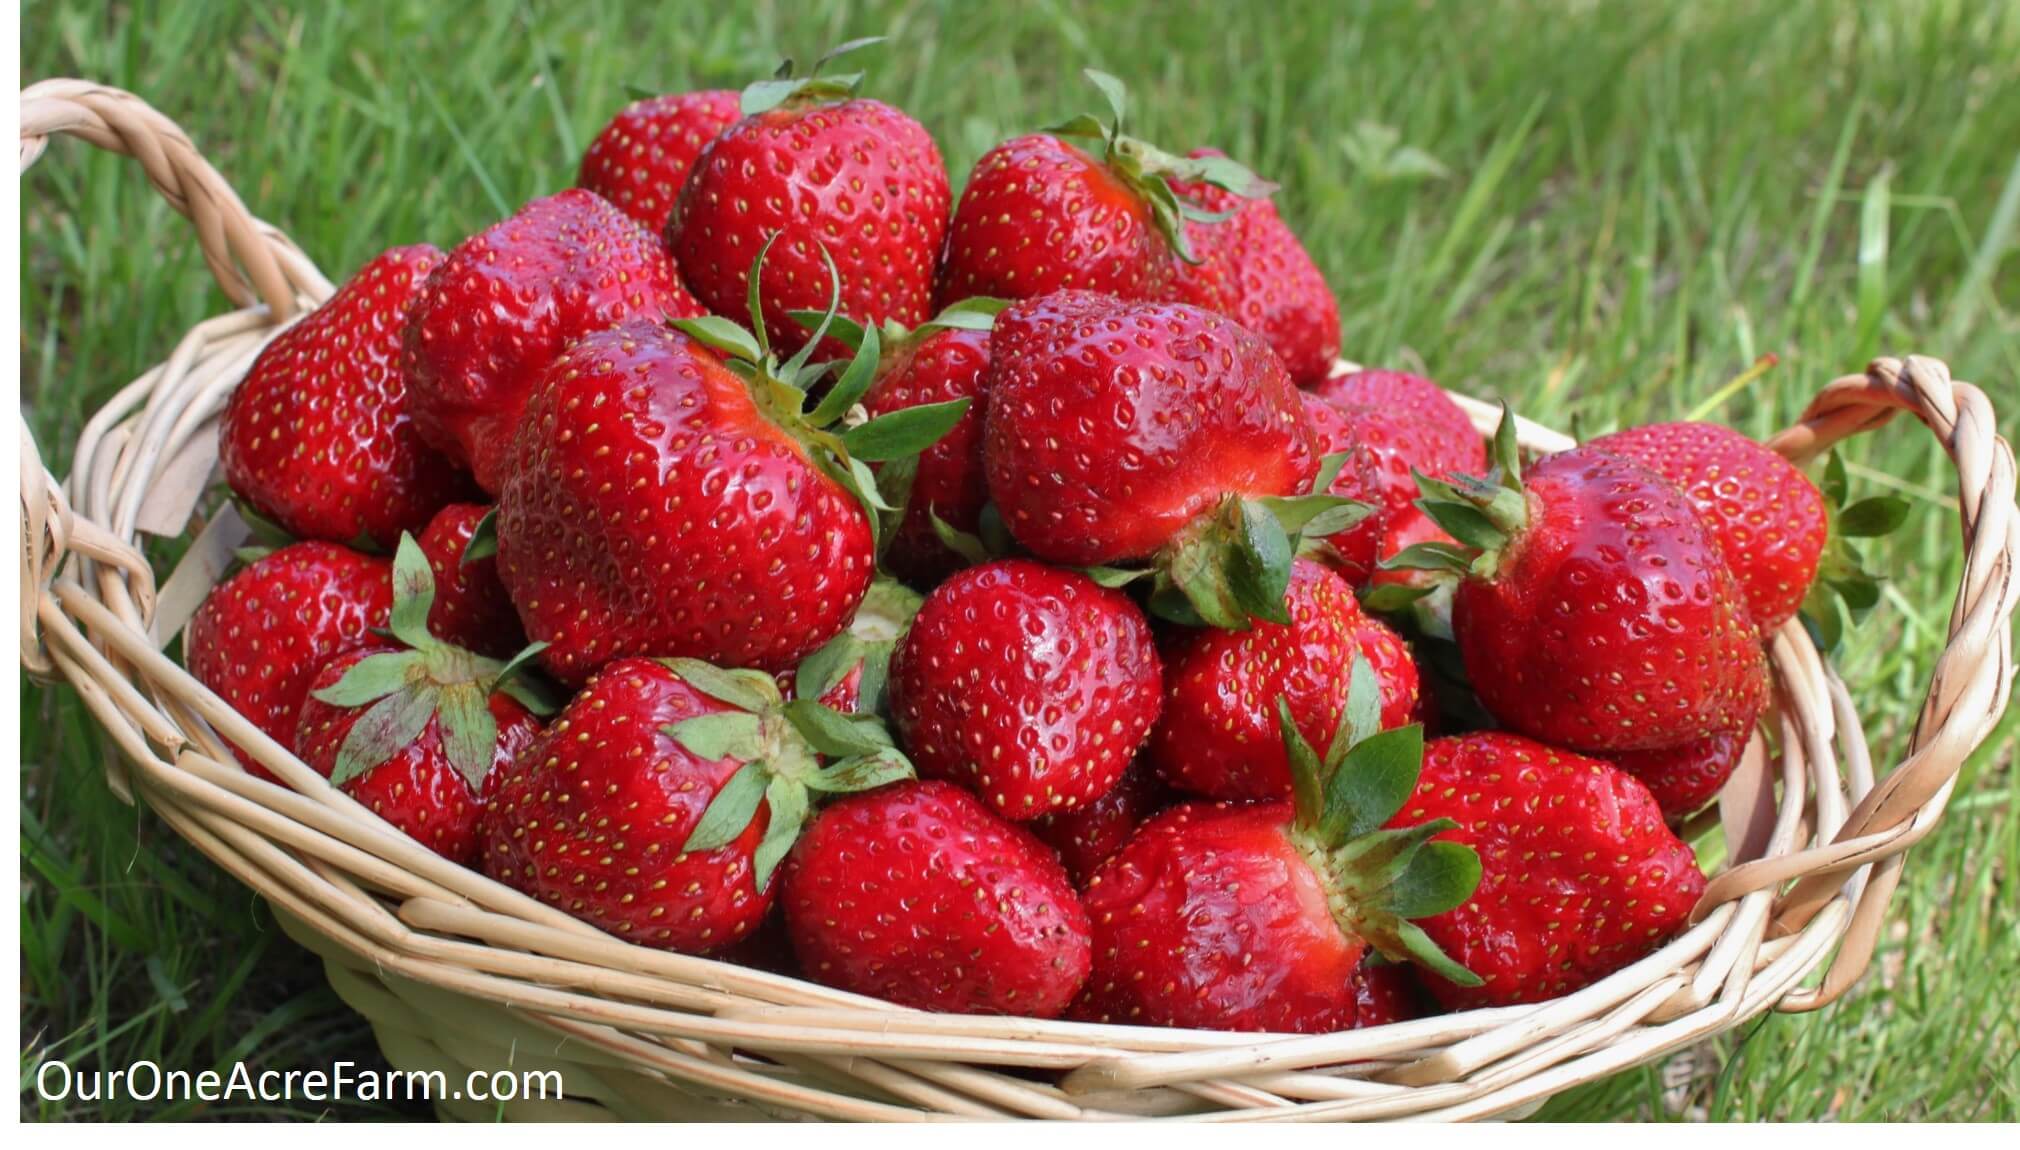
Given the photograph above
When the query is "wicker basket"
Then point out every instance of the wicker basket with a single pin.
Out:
(456, 972)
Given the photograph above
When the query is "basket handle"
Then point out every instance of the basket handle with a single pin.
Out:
(1968, 688)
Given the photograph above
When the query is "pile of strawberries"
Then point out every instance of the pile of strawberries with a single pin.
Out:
(1020, 615)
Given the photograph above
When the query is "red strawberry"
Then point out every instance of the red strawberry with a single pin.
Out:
(1685, 779)
(1597, 612)
(1086, 835)
(1130, 431)
(935, 365)
(1354, 551)
(851, 672)
(1405, 530)
(261, 635)
(1403, 445)
(471, 609)
(1253, 270)
(499, 310)
(826, 176)
(918, 895)
(1219, 735)
(1386, 992)
(1449, 440)
(659, 803)
(1039, 215)
(415, 733)
(1579, 876)
(1258, 917)
(318, 439)
(641, 158)
(1768, 519)
(1031, 686)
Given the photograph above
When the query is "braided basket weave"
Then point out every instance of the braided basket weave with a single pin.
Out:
(456, 972)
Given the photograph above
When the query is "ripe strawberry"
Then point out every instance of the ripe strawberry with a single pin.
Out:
(414, 733)
(934, 365)
(1219, 737)
(851, 673)
(1086, 835)
(640, 160)
(317, 438)
(1578, 874)
(1031, 686)
(1039, 215)
(495, 314)
(1386, 992)
(1772, 524)
(1253, 270)
(1686, 778)
(1258, 917)
(659, 803)
(1355, 551)
(1403, 531)
(829, 177)
(918, 895)
(1449, 441)
(1593, 609)
(1129, 431)
(260, 636)
(1404, 444)
(471, 609)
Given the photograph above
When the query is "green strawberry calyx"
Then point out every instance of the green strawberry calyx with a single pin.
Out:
(1377, 879)
(1484, 513)
(835, 431)
(1231, 565)
(789, 749)
(882, 619)
(785, 88)
(1150, 171)
(401, 691)
(1844, 591)
(976, 313)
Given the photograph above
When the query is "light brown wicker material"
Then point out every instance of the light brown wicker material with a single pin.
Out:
(455, 971)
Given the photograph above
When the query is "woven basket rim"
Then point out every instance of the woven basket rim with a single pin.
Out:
(1805, 886)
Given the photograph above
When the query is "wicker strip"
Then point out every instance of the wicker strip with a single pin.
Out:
(456, 972)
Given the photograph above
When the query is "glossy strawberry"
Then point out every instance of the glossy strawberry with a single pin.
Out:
(1593, 610)
(1029, 685)
(493, 317)
(414, 733)
(937, 365)
(318, 438)
(262, 634)
(1258, 916)
(1355, 551)
(1253, 270)
(654, 507)
(1040, 215)
(1088, 834)
(1122, 432)
(1768, 519)
(471, 609)
(640, 160)
(819, 172)
(1404, 444)
(1449, 440)
(916, 894)
(1219, 735)
(1684, 779)
(1386, 992)
(1579, 876)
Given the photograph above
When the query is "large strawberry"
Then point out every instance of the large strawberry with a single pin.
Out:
(1578, 874)
(1257, 917)
(1029, 685)
(1218, 736)
(1593, 609)
(1253, 270)
(493, 317)
(844, 184)
(1088, 834)
(1685, 778)
(662, 502)
(1040, 215)
(261, 635)
(471, 609)
(414, 733)
(1777, 530)
(1121, 432)
(317, 438)
(918, 895)
(640, 160)
(659, 803)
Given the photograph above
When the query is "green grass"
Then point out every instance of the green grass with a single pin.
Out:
(1637, 202)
